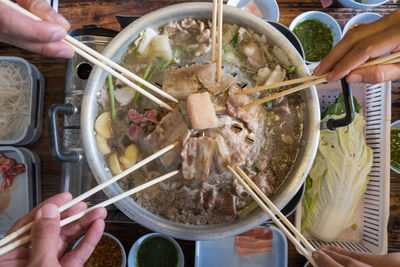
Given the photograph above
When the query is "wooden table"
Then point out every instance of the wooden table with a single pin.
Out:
(102, 12)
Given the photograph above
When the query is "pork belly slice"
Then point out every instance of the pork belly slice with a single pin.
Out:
(180, 82)
(232, 147)
(257, 240)
(201, 111)
(197, 156)
(225, 202)
(252, 116)
(206, 74)
(170, 129)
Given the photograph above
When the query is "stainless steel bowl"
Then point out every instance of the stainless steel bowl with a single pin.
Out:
(116, 49)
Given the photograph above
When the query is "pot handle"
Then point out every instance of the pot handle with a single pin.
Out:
(55, 146)
(350, 112)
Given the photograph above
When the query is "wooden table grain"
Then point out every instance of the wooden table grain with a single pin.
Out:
(102, 12)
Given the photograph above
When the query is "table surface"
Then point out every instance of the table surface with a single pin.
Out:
(102, 12)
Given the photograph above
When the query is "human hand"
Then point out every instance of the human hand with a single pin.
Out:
(360, 44)
(37, 36)
(336, 257)
(49, 241)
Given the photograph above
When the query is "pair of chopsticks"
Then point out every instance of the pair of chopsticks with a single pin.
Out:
(7, 239)
(310, 81)
(105, 63)
(307, 249)
(216, 51)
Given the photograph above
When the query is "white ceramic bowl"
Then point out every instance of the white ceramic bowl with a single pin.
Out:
(113, 237)
(324, 18)
(132, 256)
(365, 3)
(366, 17)
(395, 125)
(269, 8)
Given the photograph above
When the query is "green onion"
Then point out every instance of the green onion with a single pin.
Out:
(291, 70)
(235, 40)
(112, 98)
(166, 64)
(146, 78)
(248, 209)
(354, 226)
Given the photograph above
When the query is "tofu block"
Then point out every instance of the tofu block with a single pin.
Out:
(201, 111)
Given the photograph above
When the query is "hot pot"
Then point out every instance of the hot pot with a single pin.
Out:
(116, 49)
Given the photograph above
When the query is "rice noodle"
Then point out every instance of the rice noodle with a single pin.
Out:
(14, 100)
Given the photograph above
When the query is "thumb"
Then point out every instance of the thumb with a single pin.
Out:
(43, 10)
(44, 236)
(375, 74)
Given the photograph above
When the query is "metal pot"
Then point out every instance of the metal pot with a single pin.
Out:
(117, 48)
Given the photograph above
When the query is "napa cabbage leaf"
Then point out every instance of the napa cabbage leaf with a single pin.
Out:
(337, 180)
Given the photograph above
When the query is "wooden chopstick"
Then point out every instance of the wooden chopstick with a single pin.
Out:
(219, 56)
(92, 191)
(286, 92)
(272, 206)
(214, 30)
(306, 253)
(77, 216)
(100, 60)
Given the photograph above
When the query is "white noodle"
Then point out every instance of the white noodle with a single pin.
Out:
(14, 101)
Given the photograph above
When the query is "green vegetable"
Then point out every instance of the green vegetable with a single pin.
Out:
(146, 78)
(316, 38)
(337, 108)
(268, 105)
(178, 54)
(235, 40)
(291, 70)
(339, 178)
(354, 226)
(230, 49)
(395, 148)
(112, 97)
(247, 210)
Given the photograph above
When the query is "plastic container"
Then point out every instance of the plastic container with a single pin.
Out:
(32, 131)
(366, 17)
(268, 8)
(221, 252)
(364, 5)
(134, 249)
(322, 17)
(25, 192)
(116, 240)
(373, 212)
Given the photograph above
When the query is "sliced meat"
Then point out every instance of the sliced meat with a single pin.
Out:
(9, 169)
(261, 181)
(207, 196)
(137, 118)
(196, 157)
(180, 82)
(225, 203)
(232, 147)
(252, 7)
(134, 132)
(207, 75)
(252, 116)
(201, 111)
(171, 128)
(257, 240)
(240, 191)
(255, 58)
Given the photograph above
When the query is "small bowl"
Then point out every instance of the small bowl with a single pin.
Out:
(132, 256)
(322, 17)
(366, 17)
(268, 8)
(364, 5)
(395, 125)
(113, 237)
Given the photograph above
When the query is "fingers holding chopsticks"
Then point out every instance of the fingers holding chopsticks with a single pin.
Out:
(359, 45)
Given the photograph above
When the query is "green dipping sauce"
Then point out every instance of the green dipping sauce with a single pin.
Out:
(157, 251)
(395, 148)
(315, 37)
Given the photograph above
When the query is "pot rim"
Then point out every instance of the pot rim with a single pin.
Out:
(101, 172)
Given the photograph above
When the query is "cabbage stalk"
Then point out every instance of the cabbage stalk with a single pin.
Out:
(339, 178)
